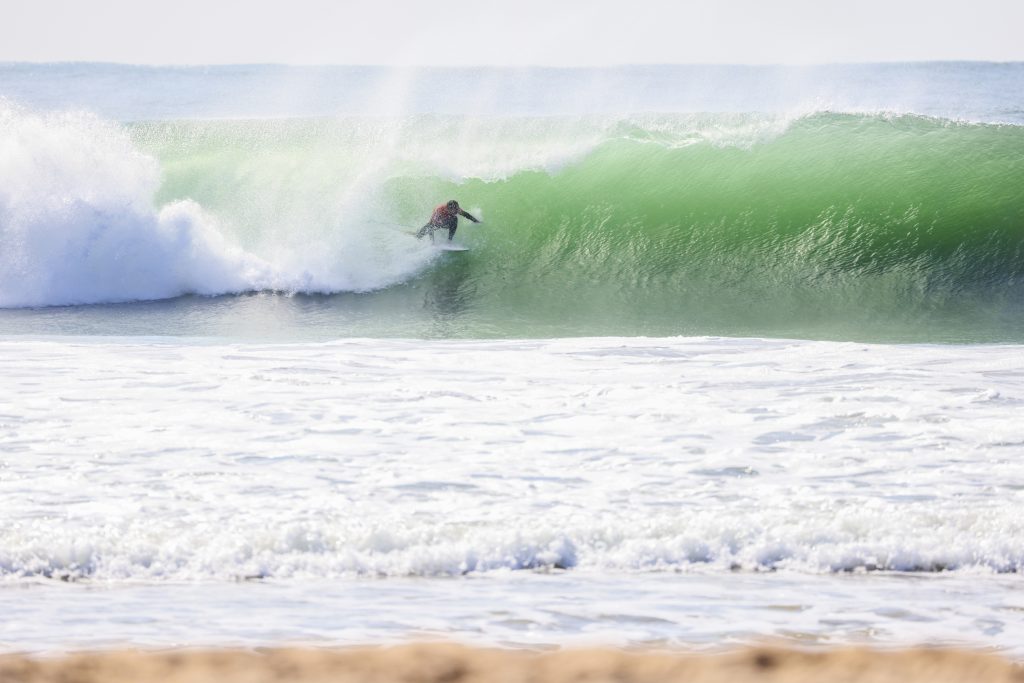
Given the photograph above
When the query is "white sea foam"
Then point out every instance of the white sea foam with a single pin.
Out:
(156, 462)
(78, 224)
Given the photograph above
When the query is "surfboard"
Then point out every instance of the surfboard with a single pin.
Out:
(442, 245)
(450, 246)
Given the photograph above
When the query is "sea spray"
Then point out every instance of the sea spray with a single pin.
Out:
(80, 223)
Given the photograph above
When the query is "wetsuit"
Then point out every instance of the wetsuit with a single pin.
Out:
(444, 218)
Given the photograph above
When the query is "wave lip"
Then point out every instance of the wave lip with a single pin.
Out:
(77, 223)
(80, 224)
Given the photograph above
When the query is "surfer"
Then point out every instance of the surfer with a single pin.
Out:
(445, 217)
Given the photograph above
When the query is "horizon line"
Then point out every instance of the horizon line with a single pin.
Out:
(563, 67)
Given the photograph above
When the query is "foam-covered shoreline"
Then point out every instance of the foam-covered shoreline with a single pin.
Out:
(724, 468)
(446, 663)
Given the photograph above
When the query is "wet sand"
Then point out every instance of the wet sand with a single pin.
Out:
(444, 663)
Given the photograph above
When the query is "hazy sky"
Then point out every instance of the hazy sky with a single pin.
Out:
(511, 32)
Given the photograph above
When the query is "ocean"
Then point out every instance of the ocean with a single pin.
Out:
(735, 356)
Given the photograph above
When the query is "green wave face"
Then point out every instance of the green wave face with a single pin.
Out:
(831, 226)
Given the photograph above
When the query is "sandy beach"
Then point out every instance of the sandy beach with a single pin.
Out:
(446, 663)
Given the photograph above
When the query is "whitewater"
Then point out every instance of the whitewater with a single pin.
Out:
(736, 355)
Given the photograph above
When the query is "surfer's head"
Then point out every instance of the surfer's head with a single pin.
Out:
(452, 205)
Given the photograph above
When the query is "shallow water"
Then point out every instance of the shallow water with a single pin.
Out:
(691, 611)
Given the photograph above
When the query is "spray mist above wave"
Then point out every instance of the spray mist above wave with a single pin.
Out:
(982, 92)
(79, 223)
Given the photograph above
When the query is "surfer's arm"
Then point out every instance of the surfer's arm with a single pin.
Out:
(466, 215)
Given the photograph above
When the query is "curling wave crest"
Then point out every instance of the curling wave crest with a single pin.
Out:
(80, 223)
